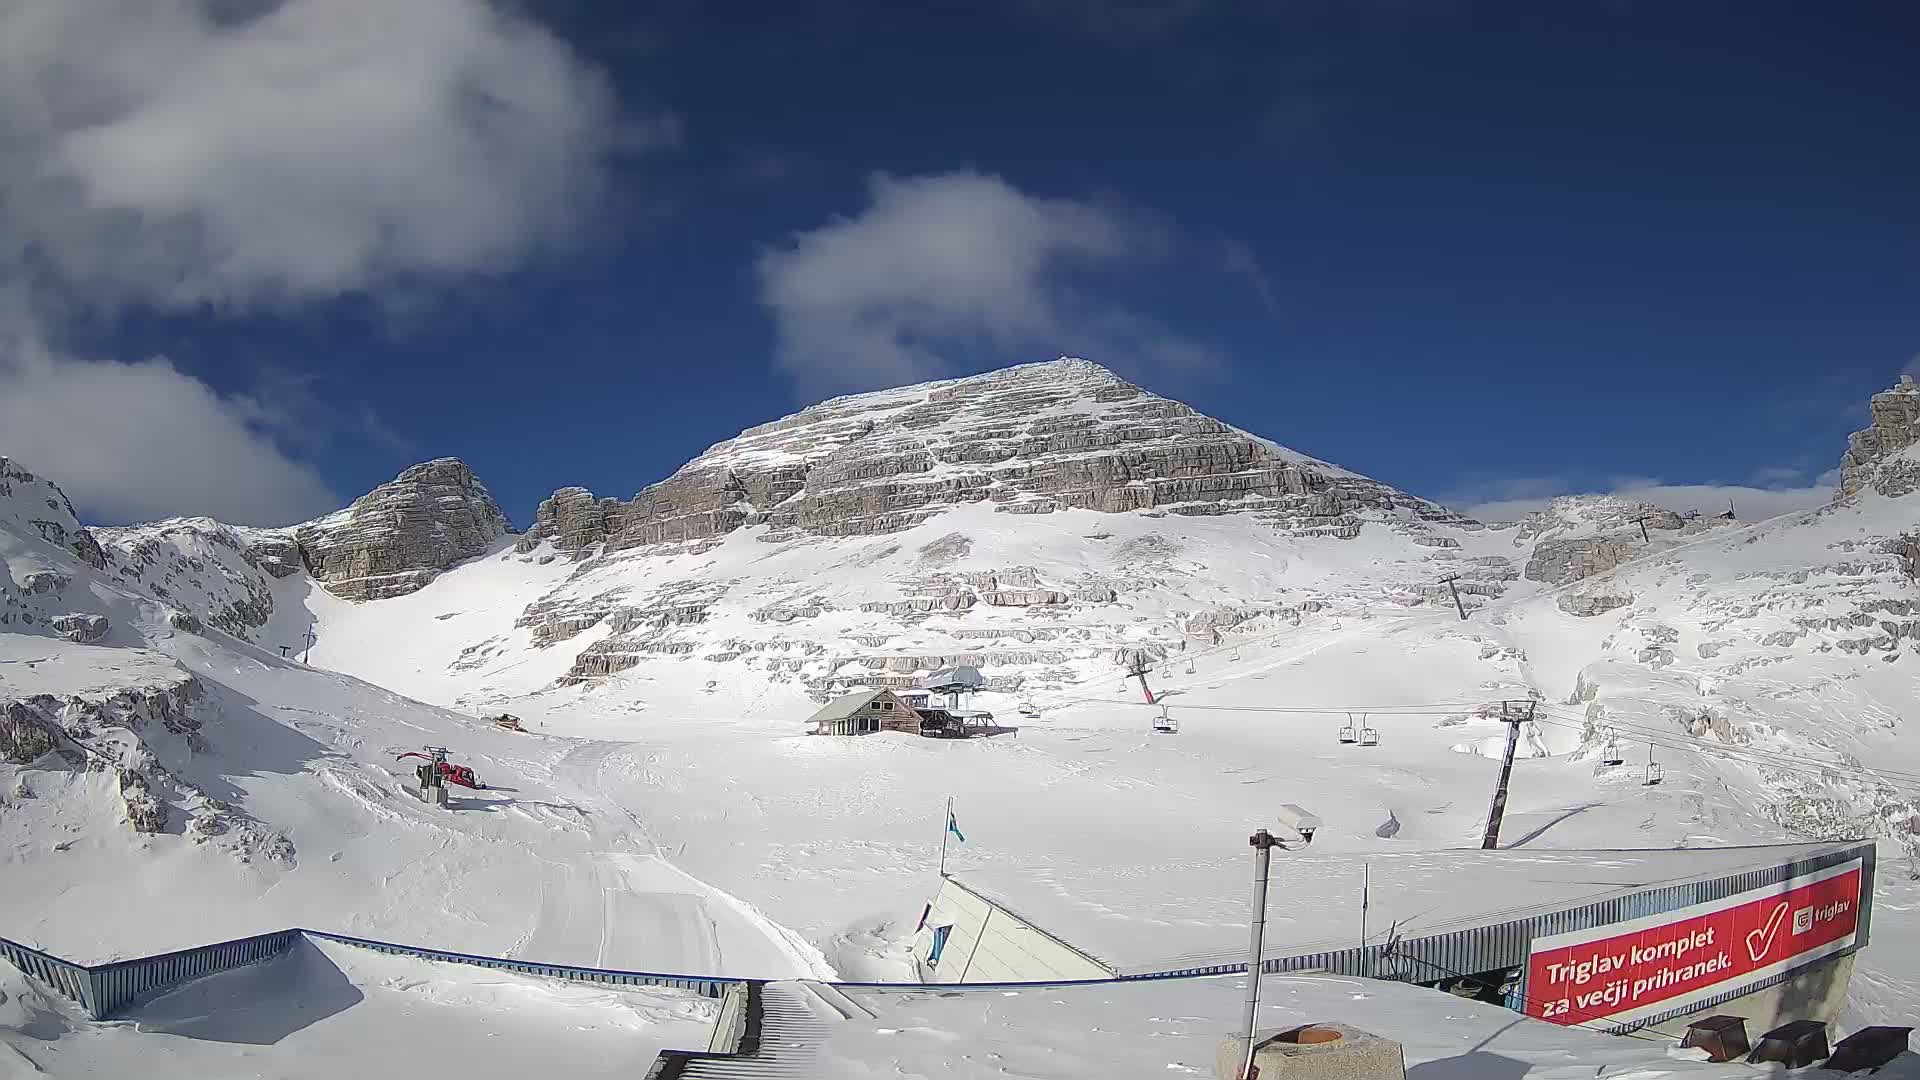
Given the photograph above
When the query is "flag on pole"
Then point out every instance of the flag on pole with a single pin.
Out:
(953, 826)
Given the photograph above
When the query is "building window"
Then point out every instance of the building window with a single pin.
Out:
(887, 705)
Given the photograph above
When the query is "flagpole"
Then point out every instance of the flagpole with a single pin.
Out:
(1366, 882)
(946, 826)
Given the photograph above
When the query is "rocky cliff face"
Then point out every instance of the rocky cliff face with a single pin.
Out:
(402, 534)
(1032, 439)
(1023, 521)
(1874, 457)
(38, 504)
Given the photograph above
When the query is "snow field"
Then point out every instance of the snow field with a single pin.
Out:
(327, 1010)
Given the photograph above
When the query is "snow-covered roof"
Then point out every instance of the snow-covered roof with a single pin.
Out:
(844, 706)
(965, 675)
(1174, 1027)
(1159, 918)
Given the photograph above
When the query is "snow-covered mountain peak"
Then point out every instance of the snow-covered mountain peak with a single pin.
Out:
(1032, 439)
(1570, 516)
(35, 505)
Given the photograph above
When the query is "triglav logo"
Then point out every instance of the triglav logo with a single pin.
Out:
(1761, 940)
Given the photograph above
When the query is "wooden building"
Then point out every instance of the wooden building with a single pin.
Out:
(864, 712)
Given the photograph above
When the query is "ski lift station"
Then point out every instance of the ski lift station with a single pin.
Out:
(1747, 931)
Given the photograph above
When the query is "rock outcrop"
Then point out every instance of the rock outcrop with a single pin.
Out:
(1037, 438)
(24, 734)
(80, 628)
(1558, 562)
(44, 508)
(1874, 458)
(403, 534)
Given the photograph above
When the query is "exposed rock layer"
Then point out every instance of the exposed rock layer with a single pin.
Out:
(402, 534)
(1873, 458)
(1029, 439)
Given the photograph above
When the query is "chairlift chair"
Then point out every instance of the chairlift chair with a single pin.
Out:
(1655, 773)
(1610, 754)
(1369, 736)
(1165, 724)
(1349, 734)
(1189, 665)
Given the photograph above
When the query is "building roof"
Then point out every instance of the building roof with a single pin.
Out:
(966, 676)
(844, 706)
(1193, 913)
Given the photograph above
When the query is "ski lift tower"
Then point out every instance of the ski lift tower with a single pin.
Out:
(1138, 667)
(953, 682)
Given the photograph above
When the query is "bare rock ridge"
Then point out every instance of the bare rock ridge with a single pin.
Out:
(402, 534)
(1030, 439)
(1874, 455)
(390, 542)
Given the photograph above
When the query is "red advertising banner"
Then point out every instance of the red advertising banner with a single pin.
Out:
(1628, 970)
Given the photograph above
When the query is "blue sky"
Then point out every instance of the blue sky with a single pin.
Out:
(1484, 252)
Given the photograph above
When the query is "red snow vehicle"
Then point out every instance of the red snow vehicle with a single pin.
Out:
(449, 772)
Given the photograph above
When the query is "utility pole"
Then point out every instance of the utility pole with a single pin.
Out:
(308, 651)
(1642, 522)
(1263, 845)
(1448, 581)
(1499, 807)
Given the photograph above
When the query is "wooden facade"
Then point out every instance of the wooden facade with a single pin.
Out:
(865, 712)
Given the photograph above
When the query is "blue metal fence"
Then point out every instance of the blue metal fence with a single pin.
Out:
(118, 984)
(68, 979)
(706, 986)
(106, 989)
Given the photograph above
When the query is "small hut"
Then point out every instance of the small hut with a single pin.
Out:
(864, 712)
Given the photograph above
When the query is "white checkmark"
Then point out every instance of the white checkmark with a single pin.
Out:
(1759, 941)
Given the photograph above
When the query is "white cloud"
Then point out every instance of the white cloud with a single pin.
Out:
(937, 268)
(1779, 491)
(130, 442)
(249, 154)
(158, 151)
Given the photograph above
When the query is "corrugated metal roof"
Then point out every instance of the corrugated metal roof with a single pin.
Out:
(844, 706)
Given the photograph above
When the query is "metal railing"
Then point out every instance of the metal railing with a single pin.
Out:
(66, 978)
(118, 984)
(104, 990)
(705, 986)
